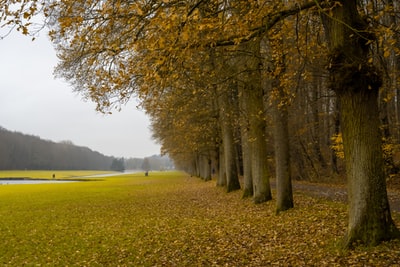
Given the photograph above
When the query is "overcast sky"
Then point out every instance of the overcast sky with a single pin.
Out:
(33, 102)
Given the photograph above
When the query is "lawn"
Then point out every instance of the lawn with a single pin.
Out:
(170, 219)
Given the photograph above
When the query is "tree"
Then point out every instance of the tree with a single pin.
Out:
(280, 104)
(118, 164)
(356, 81)
(184, 123)
(21, 151)
(227, 102)
(251, 94)
(146, 164)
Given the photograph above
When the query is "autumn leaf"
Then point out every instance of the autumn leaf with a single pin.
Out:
(171, 219)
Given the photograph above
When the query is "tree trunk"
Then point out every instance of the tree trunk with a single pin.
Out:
(221, 180)
(228, 142)
(357, 82)
(232, 176)
(251, 96)
(197, 164)
(207, 165)
(369, 213)
(280, 103)
(258, 147)
(284, 194)
(316, 132)
(246, 152)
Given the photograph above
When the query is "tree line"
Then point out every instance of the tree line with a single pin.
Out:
(152, 163)
(20, 151)
(252, 89)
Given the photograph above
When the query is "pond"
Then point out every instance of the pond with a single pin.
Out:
(32, 181)
(112, 174)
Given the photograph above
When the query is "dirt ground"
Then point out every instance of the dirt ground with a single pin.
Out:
(338, 192)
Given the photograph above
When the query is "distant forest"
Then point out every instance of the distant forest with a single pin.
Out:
(20, 151)
(155, 163)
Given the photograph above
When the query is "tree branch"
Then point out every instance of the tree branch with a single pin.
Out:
(270, 21)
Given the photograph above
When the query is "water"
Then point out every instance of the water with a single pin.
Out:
(111, 174)
(31, 181)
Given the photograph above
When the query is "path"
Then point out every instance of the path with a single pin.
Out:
(339, 192)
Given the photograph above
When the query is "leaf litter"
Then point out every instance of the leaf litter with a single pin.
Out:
(181, 222)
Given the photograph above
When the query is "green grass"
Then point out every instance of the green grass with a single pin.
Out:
(170, 219)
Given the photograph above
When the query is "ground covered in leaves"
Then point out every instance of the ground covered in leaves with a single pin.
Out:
(170, 219)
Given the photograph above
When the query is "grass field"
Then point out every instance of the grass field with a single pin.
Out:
(170, 219)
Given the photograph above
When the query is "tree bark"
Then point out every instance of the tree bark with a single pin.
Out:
(280, 103)
(207, 168)
(258, 146)
(247, 177)
(356, 83)
(370, 220)
(251, 96)
(246, 152)
(316, 132)
(284, 193)
(221, 180)
(228, 142)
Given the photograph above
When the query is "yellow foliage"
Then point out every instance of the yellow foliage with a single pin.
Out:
(337, 145)
(389, 149)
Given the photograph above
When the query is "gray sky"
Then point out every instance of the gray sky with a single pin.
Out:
(33, 102)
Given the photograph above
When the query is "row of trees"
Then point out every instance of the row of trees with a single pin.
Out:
(257, 88)
(118, 164)
(154, 163)
(20, 151)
